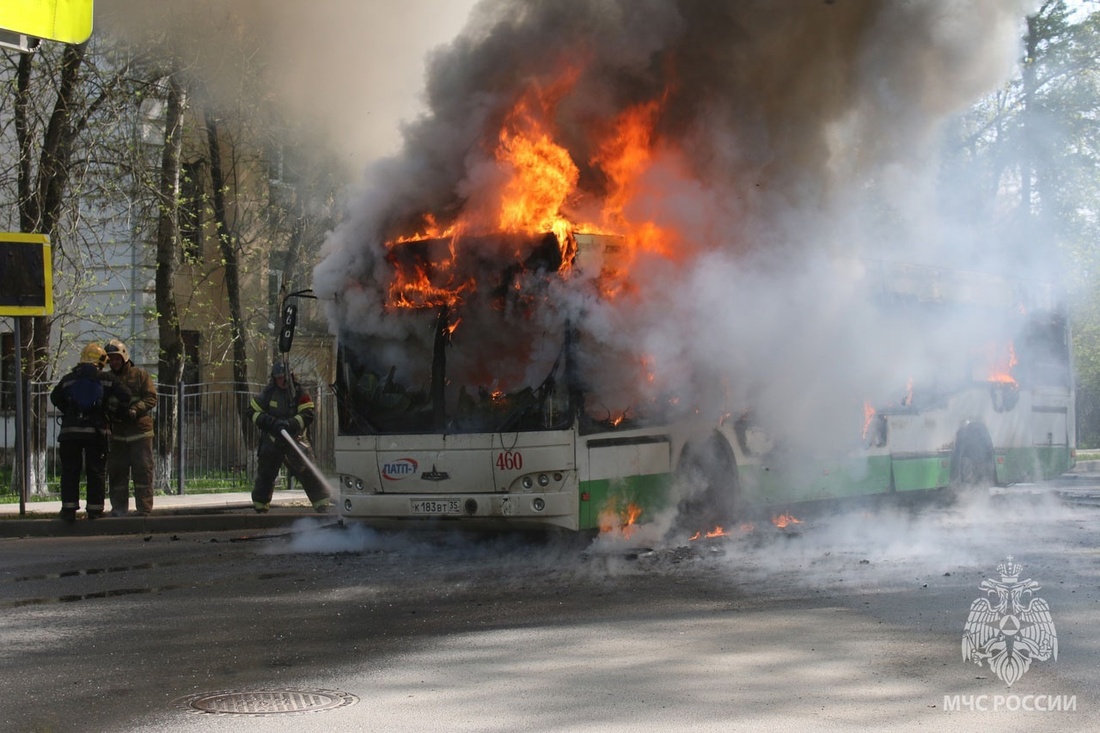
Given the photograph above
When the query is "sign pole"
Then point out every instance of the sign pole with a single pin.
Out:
(26, 290)
(20, 422)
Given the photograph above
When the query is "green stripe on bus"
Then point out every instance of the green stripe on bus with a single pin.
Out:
(650, 493)
(1036, 463)
(922, 472)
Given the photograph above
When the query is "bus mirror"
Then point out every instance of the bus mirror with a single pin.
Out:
(286, 328)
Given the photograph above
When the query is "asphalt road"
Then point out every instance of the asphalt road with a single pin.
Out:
(844, 621)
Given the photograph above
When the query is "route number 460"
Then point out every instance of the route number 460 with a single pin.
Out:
(509, 461)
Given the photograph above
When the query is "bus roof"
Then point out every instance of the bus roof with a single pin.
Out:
(941, 285)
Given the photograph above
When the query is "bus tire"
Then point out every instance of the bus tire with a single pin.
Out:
(972, 460)
(707, 472)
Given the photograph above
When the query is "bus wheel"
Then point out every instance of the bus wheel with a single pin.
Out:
(707, 479)
(972, 462)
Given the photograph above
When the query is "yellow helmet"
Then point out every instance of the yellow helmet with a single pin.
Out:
(93, 353)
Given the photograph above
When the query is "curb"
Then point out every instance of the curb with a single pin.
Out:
(192, 521)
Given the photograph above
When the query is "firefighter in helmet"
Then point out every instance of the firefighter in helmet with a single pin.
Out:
(283, 412)
(131, 436)
(88, 397)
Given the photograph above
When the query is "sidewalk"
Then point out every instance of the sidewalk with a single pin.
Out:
(233, 511)
(188, 513)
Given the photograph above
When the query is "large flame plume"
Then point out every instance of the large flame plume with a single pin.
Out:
(737, 149)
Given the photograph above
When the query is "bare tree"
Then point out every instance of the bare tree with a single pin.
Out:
(45, 169)
(227, 245)
(104, 134)
(170, 362)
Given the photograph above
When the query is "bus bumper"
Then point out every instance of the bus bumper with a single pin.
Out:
(489, 510)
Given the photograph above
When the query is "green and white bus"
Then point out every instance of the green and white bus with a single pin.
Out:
(473, 411)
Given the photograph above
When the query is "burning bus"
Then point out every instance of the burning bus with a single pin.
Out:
(489, 408)
(479, 411)
(627, 266)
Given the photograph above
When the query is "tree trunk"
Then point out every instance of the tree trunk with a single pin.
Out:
(170, 358)
(1027, 117)
(41, 196)
(227, 242)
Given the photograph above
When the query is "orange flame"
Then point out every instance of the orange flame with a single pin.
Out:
(543, 176)
(536, 190)
(428, 280)
(716, 532)
(623, 522)
(1001, 369)
(617, 420)
(868, 416)
(429, 229)
(785, 520)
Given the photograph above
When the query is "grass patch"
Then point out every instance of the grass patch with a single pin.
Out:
(209, 485)
(13, 498)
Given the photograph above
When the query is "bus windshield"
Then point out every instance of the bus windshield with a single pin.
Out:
(433, 388)
(494, 359)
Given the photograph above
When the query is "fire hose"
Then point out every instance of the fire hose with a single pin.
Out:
(305, 459)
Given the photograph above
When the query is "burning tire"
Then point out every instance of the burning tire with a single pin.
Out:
(707, 475)
(972, 461)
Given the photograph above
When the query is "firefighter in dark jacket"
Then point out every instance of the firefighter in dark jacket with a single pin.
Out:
(284, 405)
(88, 396)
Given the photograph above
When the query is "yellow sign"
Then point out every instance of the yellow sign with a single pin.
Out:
(26, 275)
(68, 21)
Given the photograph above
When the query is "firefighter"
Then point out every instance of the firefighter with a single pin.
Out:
(131, 436)
(284, 405)
(88, 397)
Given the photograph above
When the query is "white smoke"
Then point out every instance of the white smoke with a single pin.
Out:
(347, 70)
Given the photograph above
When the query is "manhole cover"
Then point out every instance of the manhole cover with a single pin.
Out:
(268, 702)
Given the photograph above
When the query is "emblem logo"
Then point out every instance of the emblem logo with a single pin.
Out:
(435, 475)
(1008, 628)
(399, 469)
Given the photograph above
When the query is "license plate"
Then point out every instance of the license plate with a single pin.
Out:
(448, 506)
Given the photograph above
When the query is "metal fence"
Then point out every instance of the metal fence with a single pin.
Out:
(215, 440)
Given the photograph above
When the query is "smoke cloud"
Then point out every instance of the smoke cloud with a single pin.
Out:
(789, 144)
(349, 70)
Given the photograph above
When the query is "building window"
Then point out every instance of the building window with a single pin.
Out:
(192, 202)
(283, 165)
(282, 177)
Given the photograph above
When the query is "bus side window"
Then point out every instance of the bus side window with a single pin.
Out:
(1044, 357)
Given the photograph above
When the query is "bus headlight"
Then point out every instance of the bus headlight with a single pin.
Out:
(527, 482)
(351, 482)
(544, 480)
(347, 505)
(538, 504)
